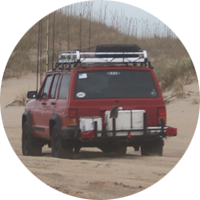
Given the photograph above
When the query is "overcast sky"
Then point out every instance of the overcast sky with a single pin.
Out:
(161, 10)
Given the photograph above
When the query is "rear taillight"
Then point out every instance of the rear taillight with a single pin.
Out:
(71, 117)
(171, 131)
(162, 115)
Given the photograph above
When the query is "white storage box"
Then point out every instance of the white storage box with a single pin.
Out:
(125, 121)
(87, 123)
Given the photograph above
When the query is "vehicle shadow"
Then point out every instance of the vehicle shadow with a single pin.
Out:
(87, 155)
(93, 155)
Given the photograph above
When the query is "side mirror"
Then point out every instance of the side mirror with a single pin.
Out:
(32, 94)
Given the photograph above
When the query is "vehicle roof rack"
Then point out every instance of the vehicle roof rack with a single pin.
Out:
(105, 55)
(101, 57)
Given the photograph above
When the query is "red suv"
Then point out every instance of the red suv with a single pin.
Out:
(108, 99)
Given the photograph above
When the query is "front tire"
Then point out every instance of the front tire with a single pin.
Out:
(60, 148)
(30, 146)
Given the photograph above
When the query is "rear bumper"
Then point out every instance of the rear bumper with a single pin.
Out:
(132, 134)
(149, 131)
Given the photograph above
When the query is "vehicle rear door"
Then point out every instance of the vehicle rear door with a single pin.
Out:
(60, 107)
(98, 90)
(48, 108)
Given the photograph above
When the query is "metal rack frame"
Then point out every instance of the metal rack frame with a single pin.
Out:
(75, 57)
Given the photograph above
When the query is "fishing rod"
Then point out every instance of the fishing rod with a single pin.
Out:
(38, 53)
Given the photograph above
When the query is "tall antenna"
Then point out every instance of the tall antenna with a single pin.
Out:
(68, 28)
(80, 28)
(90, 13)
(80, 24)
(40, 60)
(38, 54)
(47, 50)
(53, 38)
(90, 22)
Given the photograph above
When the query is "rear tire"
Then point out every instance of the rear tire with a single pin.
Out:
(60, 148)
(157, 151)
(31, 146)
(77, 149)
(154, 148)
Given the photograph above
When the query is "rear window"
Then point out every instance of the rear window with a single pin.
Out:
(115, 84)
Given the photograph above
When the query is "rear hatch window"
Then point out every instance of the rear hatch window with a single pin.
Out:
(115, 84)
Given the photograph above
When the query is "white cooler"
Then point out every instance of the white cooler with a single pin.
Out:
(87, 123)
(124, 121)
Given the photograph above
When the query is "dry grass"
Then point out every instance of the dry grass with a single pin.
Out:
(178, 89)
(176, 73)
(20, 100)
(195, 101)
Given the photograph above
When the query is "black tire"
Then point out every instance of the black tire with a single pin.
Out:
(30, 146)
(60, 148)
(154, 148)
(156, 151)
(77, 149)
(144, 150)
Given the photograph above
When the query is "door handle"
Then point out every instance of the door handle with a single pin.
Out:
(53, 103)
(43, 103)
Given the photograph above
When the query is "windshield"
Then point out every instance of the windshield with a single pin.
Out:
(115, 84)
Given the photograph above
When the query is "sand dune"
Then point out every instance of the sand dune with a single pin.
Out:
(93, 174)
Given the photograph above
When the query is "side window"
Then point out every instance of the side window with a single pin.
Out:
(63, 93)
(45, 88)
(54, 86)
